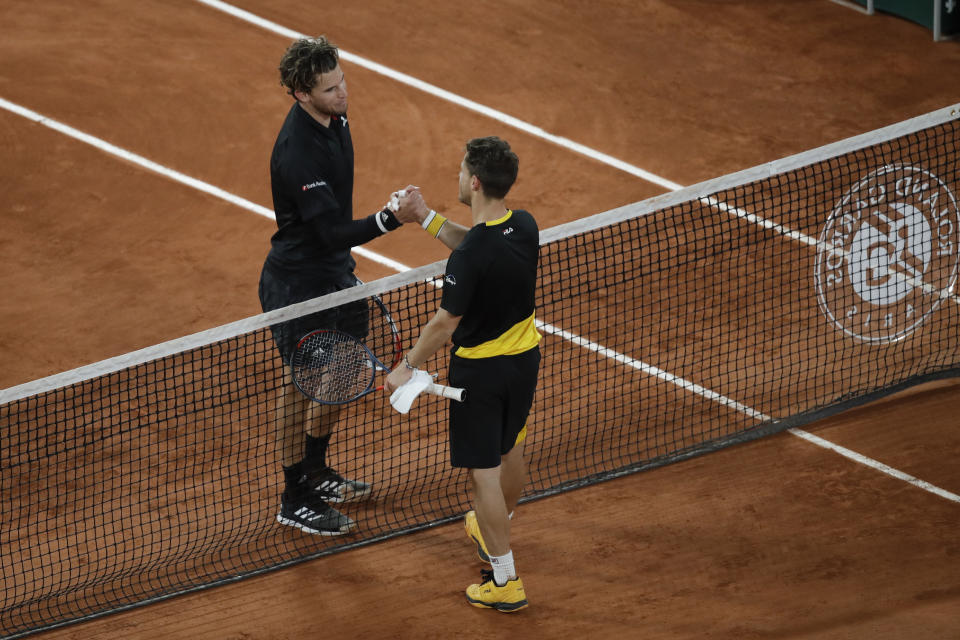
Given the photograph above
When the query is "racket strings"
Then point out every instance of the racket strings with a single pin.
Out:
(332, 368)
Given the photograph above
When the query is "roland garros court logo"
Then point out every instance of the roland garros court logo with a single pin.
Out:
(887, 256)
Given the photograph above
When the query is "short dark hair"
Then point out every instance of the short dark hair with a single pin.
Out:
(494, 164)
(304, 60)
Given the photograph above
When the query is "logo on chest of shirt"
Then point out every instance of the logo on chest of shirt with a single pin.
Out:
(450, 279)
(508, 231)
(314, 185)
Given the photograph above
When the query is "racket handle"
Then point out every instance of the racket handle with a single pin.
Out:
(453, 393)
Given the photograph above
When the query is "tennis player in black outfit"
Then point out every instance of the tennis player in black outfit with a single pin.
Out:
(311, 173)
(487, 310)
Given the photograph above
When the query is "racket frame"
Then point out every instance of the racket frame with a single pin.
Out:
(376, 306)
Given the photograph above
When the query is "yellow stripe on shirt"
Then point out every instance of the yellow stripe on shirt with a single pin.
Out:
(493, 223)
(521, 337)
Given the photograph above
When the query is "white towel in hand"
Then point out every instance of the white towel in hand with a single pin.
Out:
(404, 395)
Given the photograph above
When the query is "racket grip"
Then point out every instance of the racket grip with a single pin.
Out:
(453, 393)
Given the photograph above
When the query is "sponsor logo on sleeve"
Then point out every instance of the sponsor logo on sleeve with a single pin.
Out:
(314, 185)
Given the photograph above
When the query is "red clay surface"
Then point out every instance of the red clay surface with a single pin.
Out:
(775, 539)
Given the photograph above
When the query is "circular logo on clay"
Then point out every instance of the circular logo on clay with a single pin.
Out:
(887, 255)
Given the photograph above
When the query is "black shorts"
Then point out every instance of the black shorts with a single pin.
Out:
(500, 391)
(278, 291)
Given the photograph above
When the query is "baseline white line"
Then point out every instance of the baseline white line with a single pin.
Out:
(172, 174)
(150, 165)
(651, 370)
(760, 221)
(448, 96)
(873, 464)
(929, 289)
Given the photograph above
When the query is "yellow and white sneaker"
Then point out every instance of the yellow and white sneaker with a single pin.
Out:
(508, 598)
(473, 531)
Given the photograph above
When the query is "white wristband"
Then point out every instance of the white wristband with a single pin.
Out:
(379, 218)
(429, 218)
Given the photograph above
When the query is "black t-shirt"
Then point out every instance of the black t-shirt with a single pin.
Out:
(491, 278)
(311, 174)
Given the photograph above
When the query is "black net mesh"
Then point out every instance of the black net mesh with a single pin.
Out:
(708, 322)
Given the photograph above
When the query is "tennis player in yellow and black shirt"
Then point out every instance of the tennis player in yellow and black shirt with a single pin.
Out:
(487, 310)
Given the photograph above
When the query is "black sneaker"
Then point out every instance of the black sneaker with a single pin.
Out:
(330, 486)
(313, 516)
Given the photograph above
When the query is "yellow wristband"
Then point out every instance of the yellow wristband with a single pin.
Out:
(435, 224)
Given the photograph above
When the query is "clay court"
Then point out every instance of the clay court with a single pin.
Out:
(776, 538)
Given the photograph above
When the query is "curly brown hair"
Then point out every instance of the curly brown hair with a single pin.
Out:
(304, 60)
(494, 164)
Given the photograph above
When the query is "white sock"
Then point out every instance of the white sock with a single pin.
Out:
(503, 568)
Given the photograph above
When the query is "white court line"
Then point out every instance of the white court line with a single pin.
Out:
(709, 394)
(651, 370)
(927, 288)
(873, 464)
(468, 104)
(538, 132)
(503, 118)
(448, 96)
(758, 220)
(172, 174)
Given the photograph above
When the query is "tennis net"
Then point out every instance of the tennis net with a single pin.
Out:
(672, 327)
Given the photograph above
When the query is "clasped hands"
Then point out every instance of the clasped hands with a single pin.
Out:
(408, 205)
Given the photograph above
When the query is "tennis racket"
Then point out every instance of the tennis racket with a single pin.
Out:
(383, 337)
(333, 367)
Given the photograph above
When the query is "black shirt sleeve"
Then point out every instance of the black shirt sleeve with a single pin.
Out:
(352, 233)
(319, 208)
